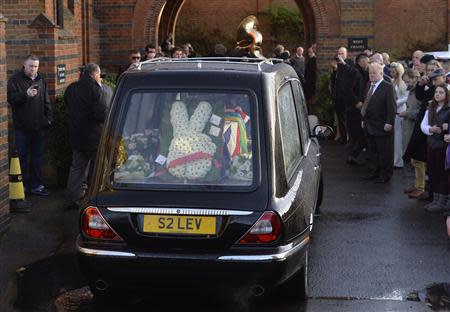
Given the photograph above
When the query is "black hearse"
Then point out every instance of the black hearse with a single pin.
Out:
(208, 174)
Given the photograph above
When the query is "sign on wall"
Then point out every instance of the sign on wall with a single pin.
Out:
(357, 44)
(61, 72)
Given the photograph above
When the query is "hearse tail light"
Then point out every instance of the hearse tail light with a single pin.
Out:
(266, 230)
(95, 226)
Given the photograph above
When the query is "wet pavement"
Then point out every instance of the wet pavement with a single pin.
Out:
(372, 247)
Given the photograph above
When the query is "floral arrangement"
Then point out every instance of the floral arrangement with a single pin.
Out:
(190, 151)
(135, 155)
(135, 168)
(241, 167)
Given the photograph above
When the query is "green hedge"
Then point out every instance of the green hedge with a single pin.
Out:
(323, 106)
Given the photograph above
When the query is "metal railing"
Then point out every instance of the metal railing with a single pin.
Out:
(201, 62)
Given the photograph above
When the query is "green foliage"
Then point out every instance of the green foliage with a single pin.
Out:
(285, 24)
(58, 143)
(323, 107)
(110, 80)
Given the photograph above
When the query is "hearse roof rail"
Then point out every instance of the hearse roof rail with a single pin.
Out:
(211, 63)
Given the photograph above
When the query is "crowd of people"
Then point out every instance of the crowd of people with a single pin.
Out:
(305, 67)
(399, 114)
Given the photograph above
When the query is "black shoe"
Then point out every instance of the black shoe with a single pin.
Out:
(40, 191)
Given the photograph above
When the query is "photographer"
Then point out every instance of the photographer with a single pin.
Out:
(28, 97)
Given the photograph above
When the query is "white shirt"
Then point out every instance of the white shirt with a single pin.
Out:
(424, 126)
(375, 85)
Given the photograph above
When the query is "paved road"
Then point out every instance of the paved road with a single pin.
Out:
(371, 247)
(372, 241)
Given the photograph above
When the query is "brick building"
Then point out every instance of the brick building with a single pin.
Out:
(66, 34)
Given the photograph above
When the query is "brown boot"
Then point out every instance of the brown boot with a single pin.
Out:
(415, 194)
(409, 190)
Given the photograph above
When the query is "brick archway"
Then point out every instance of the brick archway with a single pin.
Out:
(154, 19)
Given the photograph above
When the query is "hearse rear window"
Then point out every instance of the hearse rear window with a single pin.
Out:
(185, 138)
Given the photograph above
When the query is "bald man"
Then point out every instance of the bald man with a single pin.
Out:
(416, 64)
(298, 62)
(378, 58)
(378, 114)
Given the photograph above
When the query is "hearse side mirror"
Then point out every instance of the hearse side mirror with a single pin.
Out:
(322, 132)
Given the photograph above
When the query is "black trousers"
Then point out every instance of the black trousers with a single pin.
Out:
(436, 170)
(355, 133)
(339, 108)
(382, 153)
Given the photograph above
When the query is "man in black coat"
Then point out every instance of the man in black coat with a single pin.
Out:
(378, 113)
(298, 63)
(342, 92)
(31, 113)
(353, 112)
(86, 110)
(310, 77)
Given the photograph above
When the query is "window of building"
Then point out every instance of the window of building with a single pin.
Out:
(59, 12)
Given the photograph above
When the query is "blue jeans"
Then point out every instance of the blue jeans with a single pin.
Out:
(30, 143)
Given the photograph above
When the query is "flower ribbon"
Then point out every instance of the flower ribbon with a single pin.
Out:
(189, 158)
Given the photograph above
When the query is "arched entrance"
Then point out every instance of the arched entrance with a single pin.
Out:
(155, 19)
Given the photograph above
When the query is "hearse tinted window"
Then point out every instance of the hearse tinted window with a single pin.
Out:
(188, 137)
(290, 137)
(302, 114)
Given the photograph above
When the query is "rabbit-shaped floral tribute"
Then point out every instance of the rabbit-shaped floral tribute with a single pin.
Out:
(190, 151)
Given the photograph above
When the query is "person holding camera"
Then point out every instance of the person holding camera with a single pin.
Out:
(31, 112)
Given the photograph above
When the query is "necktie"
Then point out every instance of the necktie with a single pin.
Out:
(366, 101)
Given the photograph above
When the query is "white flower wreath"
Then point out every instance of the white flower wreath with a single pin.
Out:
(190, 151)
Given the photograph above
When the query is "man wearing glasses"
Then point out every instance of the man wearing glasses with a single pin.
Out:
(134, 59)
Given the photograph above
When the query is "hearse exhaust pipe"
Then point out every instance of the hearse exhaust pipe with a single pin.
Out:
(101, 285)
(257, 290)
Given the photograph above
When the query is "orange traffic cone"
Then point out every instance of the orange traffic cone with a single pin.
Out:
(17, 200)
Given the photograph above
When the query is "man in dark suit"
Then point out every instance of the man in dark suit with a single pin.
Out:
(378, 113)
(342, 90)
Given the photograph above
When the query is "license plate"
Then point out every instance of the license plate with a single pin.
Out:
(179, 224)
